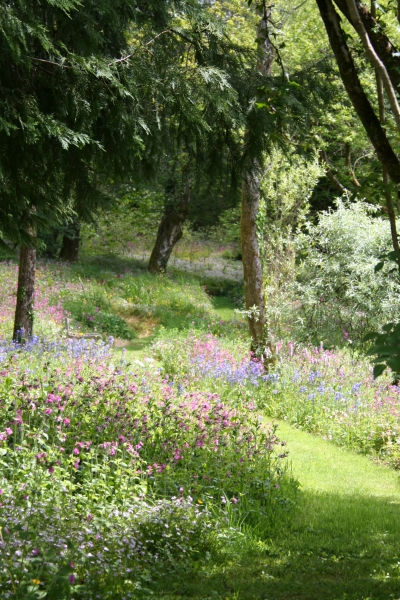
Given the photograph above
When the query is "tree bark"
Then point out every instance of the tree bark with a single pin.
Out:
(252, 264)
(23, 322)
(169, 233)
(356, 93)
(70, 244)
(251, 255)
(387, 52)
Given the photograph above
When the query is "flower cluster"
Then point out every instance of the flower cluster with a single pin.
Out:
(56, 550)
(329, 393)
(85, 441)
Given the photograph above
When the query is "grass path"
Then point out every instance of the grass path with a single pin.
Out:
(324, 467)
(344, 542)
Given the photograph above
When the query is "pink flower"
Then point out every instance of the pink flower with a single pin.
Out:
(234, 500)
(75, 451)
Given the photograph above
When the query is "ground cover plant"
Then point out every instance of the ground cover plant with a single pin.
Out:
(116, 297)
(112, 477)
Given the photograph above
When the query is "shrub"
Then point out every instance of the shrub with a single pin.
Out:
(338, 296)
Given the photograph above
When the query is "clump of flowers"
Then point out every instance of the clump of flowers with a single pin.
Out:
(90, 446)
(53, 549)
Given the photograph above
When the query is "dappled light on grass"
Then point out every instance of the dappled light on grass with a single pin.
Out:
(336, 547)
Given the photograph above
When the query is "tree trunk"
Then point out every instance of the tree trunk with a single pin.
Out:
(252, 264)
(251, 255)
(23, 323)
(387, 52)
(70, 244)
(355, 91)
(168, 234)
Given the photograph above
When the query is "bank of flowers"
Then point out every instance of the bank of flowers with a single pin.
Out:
(326, 392)
(110, 471)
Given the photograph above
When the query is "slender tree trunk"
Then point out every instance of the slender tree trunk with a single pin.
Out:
(23, 323)
(70, 244)
(252, 264)
(387, 52)
(251, 255)
(169, 233)
(385, 175)
(340, 188)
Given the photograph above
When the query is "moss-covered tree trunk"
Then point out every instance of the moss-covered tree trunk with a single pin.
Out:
(252, 263)
(23, 323)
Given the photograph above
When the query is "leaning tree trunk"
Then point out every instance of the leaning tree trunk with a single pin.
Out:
(23, 323)
(70, 244)
(251, 255)
(168, 234)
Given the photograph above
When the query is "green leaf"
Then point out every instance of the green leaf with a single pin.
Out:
(370, 336)
(379, 266)
(394, 364)
(378, 370)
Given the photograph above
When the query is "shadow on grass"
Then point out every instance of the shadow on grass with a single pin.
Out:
(334, 548)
